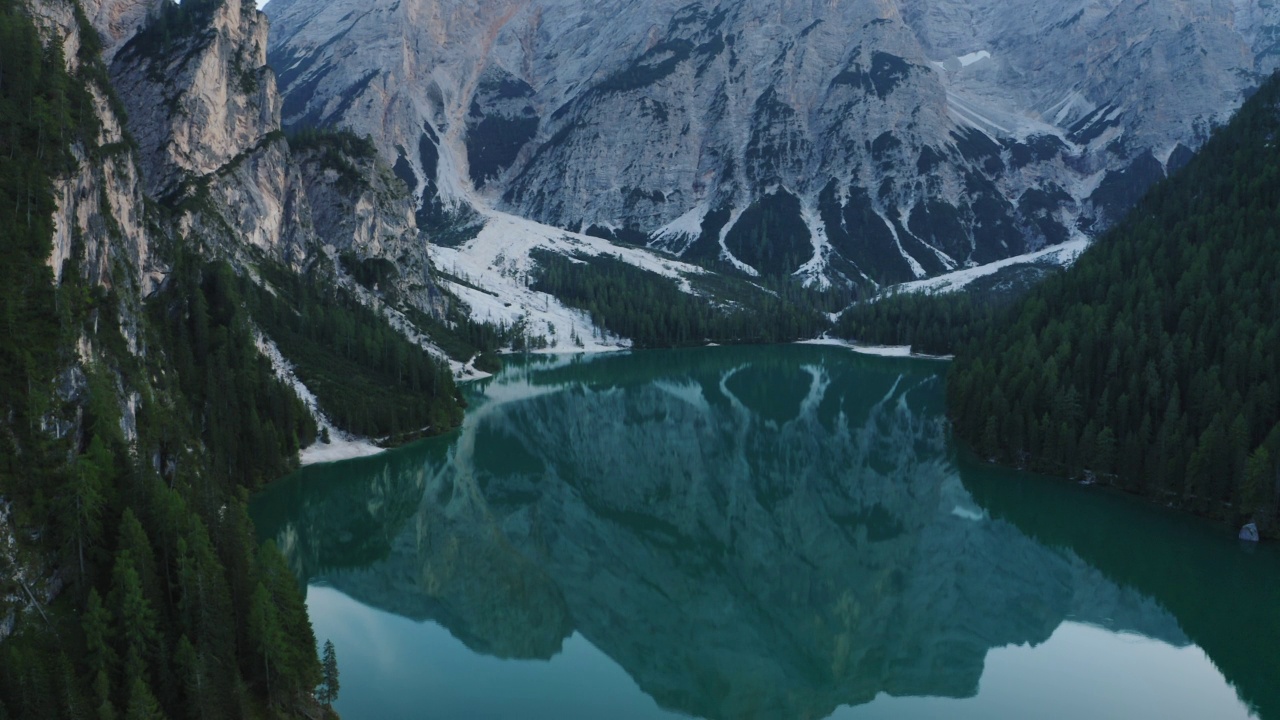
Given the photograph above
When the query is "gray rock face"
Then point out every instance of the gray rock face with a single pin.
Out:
(117, 20)
(205, 112)
(886, 139)
(206, 115)
(364, 214)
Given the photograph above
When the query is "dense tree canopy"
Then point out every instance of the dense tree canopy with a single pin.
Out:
(143, 516)
(369, 379)
(929, 324)
(653, 311)
(1154, 362)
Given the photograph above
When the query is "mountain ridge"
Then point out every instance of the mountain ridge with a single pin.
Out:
(668, 123)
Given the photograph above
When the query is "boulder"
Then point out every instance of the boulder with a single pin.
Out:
(1249, 532)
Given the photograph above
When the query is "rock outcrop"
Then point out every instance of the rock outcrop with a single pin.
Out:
(885, 140)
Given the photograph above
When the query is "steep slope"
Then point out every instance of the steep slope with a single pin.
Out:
(1152, 363)
(159, 250)
(113, 479)
(864, 140)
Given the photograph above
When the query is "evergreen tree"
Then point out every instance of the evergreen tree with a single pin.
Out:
(327, 692)
(1154, 362)
(102, 660)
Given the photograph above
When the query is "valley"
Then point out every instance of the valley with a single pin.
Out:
(562, 254)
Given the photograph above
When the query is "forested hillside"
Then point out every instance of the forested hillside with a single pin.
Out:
(1154, 363)
(654, 312)
(165, 605)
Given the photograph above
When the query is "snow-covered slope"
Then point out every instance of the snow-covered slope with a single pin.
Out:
(884, 139)
(492, 274)
(1056, 255)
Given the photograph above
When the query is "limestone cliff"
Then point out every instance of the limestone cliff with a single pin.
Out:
(886, 140)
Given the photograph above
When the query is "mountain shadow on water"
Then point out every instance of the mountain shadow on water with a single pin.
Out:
(739, 554)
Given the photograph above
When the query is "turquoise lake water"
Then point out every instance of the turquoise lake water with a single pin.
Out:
(765, 532)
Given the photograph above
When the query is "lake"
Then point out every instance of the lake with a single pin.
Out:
(763, 532)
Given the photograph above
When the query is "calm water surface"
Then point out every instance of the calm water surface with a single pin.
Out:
(781, 532)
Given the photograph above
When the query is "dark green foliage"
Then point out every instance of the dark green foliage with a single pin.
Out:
(368, 378)
(1153, 362)
(334, 150)
(171, 23)
(653, 312)
(251, 423)
(329, 687)
(463, 338)
(771, 235)
(40, 109)
(930, 324)
(146, 624)
(341, 140)
(373, 273)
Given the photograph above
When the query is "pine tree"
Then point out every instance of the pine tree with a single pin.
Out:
(101, 658)
(83, 498)
(327, 692)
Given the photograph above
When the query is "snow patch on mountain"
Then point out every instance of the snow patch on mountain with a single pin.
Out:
(814, 272)
(494, 271)
(677, 235)
(978, 129)
(1063, 255)
(341, 445)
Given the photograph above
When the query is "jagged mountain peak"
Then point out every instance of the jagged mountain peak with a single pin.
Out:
(884, 140)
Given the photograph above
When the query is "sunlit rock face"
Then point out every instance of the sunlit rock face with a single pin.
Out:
(881, 138)
(741, 553)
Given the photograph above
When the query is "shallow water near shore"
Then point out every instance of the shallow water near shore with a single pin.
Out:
(763, 532)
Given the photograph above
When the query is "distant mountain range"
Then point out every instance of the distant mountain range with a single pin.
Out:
(867, 140)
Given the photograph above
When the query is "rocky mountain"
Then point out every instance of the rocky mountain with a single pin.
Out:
(157, 142)
(881, 140)
(204, 110)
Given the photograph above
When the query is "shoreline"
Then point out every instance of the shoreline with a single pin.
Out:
(337, 450)
(342, 447)
(889, 351)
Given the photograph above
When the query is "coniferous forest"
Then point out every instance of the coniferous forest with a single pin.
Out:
(654, 312)
(132, 432)
(369, 379)
(929, 324)
(1154, 362)
(169, 607)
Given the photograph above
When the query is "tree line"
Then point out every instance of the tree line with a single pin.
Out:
(654, 312)
(368, 378)
(930, 324)
(1154, 362)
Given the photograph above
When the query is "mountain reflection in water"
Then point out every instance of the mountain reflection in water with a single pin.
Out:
(748, 532)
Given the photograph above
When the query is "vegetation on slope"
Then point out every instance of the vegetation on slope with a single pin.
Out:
(1155, 361)
(654, 312)
(368, 378)
(169, 607)
(930, 324)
